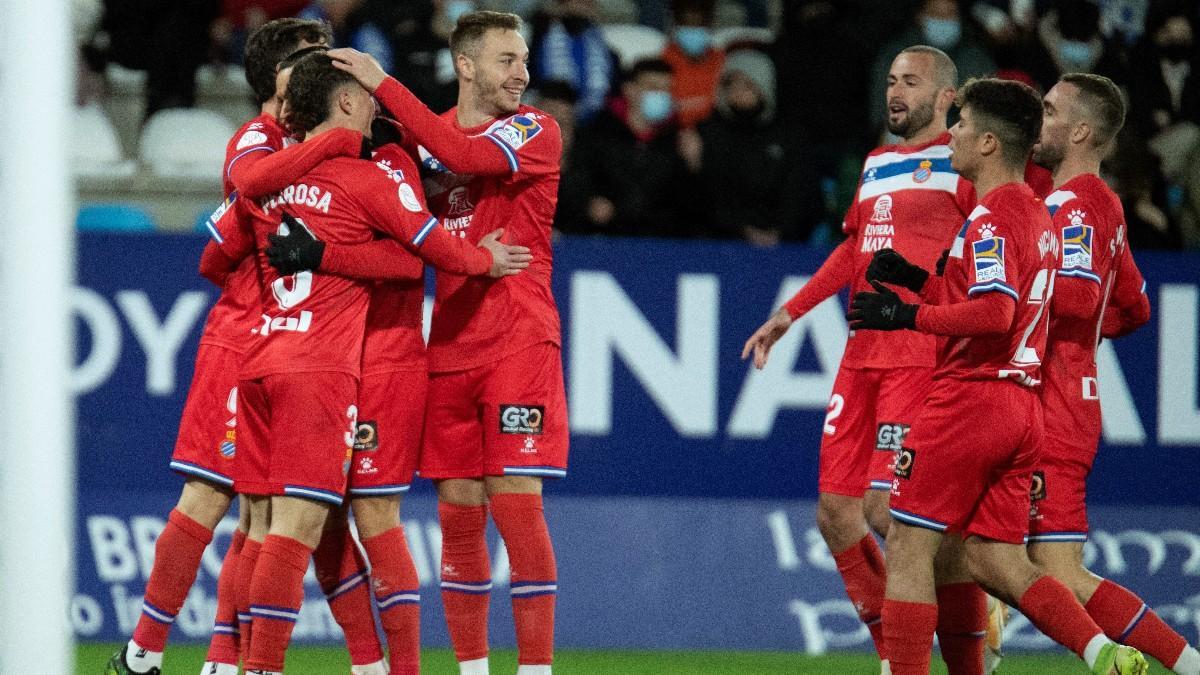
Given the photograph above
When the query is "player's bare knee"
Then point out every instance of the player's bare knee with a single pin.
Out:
(298, 518)
(204, 502)
(840, 520)
(875, 508)
(524, 485)
(375, 515)
(462, 491)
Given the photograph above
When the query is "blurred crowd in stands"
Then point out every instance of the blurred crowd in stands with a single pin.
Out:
(736, 120)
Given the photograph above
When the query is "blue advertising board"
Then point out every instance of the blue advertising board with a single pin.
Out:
(688, 501)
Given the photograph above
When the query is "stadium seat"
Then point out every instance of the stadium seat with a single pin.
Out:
(617, 11)
(743, 35)
(95, 148)
(185, 142)
(113, 218)
(633, 42)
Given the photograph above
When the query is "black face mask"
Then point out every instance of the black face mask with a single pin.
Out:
(575, 24)
(1177, 52)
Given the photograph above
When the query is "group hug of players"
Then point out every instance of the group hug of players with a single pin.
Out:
(313, 382)
(965, 417)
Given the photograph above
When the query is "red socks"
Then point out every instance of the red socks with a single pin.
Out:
(865, 575)
(466, 578)
(176, 560)
(962, 626)
(342, 574)
(1127, 620)
(1052, 608)
(247, 561)
(224, 645)
(276, 593)
(522, 524)
(908, 635)
(397, 595)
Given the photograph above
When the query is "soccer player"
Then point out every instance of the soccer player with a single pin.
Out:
(299, 379)
(959, 473)
(205, 452)
(496, 420)
(909, 199)
(1081, 116)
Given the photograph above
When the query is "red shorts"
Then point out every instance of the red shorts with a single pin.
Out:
(1059, 494)
(507, 418)
(870, 413)
(968, 463)
(391, 412)
(208, 429)
(296, 433)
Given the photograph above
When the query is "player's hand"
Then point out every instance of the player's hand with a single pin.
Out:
(296, 251)
(362, 66)
(506, 260)
(890, 267)
(940, 268)
(766, 336)
(881, 310)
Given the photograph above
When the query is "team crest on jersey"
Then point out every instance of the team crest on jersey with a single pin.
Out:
(228, 449)
(1077, 247)
(989, 259)
(459, 202)
(923, 171)
(518, 130)
(883, 210)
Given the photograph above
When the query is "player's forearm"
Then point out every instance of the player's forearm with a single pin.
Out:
(988, 314)
(458, 152)
(931, 292)
(263, 173)
(379, 260)
(215, 265)
(453, 254)
(836, 273)
(1074, 297)
(1120, 321)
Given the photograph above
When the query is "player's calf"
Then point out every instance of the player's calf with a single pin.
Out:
(397, 589)
(520, 517)
(342, 574)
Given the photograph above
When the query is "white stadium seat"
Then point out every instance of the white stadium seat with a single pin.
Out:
(633, 42)
(95, 148)
(185, 142)
(724, 37)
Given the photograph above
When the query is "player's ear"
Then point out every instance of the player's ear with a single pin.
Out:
(464, 66)
(1081, 131)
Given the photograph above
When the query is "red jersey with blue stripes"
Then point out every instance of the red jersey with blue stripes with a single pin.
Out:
(910, 200)
(1006, 246)
(1090, 224)
(237, 310)
(479, 320)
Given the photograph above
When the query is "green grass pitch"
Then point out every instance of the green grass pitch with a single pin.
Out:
(186, 660)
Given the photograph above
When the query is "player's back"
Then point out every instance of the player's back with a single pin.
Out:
(1007, 246)
(314, 321)
(480, 320)
(1088, 217)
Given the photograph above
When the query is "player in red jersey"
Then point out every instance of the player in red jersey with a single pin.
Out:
(959, 473)
(496, 420)
(1081, 116)
(909, 199)
(299, 379)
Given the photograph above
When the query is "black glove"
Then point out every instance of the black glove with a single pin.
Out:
(295, 251)
(882, 310)
(890, 267)
(940, 268)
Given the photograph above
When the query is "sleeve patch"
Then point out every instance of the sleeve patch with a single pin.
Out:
(251, 138)
(409, 198)
(1077, 247)
(517, 131)
(989, 259)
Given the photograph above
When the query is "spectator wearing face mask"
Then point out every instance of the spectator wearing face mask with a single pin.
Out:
(941, 24)
(1069, 40)
(694, 59)
(759, 177)
(568, 46)
(633, 176)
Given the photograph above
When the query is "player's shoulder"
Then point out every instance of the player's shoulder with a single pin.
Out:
(263, 130)
(1085, 199)
(528, 126)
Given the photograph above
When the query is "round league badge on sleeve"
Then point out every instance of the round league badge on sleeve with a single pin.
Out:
(409, 198)
(251, 138)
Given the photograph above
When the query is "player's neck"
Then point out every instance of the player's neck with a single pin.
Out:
(1072, 167)
(924, 136)
(992, 177)
(471, 112)
(330, 124)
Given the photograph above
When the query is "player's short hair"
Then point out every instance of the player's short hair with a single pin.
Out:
(650, 65)
(294, 58)
(271, 44)
(1101, 103)
(472, 26)
(945, 73)
(1009, 110)
(310, 91)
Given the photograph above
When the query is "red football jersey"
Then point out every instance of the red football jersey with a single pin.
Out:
(314, 321)
(910, 200)
(481, 320)
(1090, 224)
(237, 309)
(1007, 246)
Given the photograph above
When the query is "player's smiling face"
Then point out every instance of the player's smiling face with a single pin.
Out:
(1056, 125)
(911, 93)
(500, 72)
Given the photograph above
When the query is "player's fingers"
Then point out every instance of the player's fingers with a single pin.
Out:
(883, 290)
(525, 258)
(855, 315)
(749, 346)
(761, 352)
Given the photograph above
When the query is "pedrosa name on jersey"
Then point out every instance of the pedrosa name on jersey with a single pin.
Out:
(299, 194)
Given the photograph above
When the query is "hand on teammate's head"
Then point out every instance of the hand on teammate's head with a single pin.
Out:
(362, 66)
